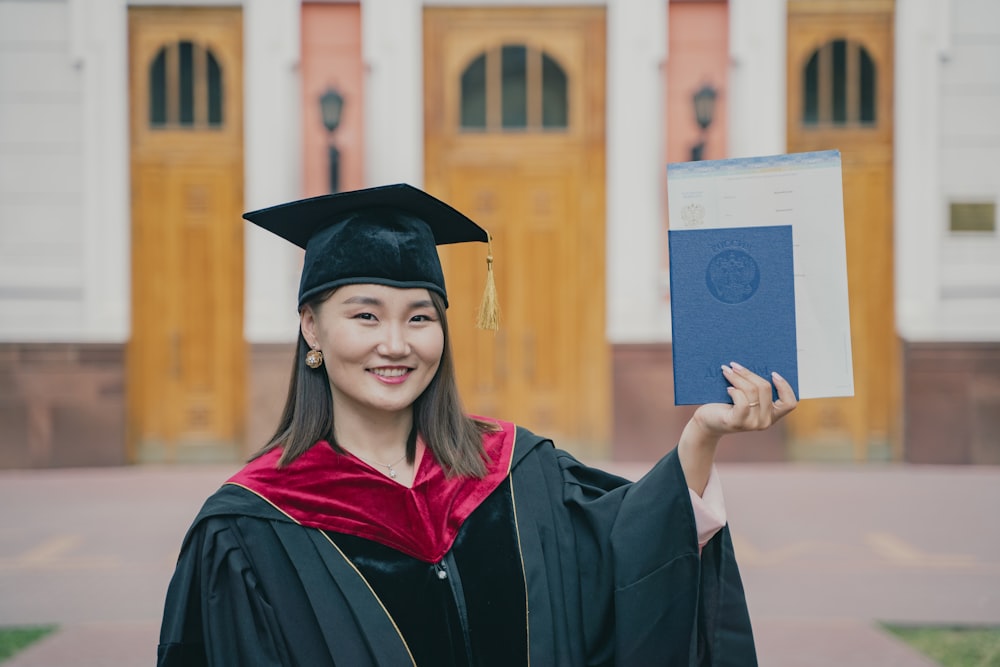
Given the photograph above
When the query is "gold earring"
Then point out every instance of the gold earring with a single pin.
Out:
(314, 358)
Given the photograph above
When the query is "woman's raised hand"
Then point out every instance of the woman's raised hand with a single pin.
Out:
(752, 408)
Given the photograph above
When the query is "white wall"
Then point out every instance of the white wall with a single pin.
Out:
(947, 149)
(969, 89)
(392, 51)
(63, 172)
(757, 88)
(272, 164)
(637, 49)
(64, 168)
(920, 38)
(64, 182)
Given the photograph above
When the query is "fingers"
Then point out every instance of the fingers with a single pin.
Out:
(752, 403)
(786, 396)
(755, 389)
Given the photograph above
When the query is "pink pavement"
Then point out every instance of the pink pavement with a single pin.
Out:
(827, 552)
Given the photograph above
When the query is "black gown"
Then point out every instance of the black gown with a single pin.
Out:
(561, 564)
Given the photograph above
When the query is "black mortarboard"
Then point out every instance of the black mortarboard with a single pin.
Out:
(386, 235)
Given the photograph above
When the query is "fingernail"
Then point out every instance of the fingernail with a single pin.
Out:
(726, 369)
(735, 365)
(775, 375)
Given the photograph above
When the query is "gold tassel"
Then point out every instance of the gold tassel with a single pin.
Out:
(489, 308)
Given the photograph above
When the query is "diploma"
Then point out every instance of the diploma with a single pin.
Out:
(758, 274)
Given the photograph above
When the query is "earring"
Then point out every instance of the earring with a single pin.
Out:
(314, 358)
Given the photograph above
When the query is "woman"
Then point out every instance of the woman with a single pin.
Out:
(383, 526)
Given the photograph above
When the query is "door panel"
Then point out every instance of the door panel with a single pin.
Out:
(540, 193)
(186, 357)
(867, 425)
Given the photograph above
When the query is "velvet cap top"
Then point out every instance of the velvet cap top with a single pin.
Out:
(386, 235)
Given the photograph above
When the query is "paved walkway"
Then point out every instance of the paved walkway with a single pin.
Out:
(827, 552)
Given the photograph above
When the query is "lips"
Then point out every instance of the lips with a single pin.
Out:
(394, 373)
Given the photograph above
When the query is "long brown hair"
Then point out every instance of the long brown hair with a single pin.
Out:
(438, 417)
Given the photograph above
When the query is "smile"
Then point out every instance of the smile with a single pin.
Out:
(389, 372)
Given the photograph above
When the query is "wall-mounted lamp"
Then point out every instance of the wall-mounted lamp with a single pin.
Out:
(704, 111)
(331, 106)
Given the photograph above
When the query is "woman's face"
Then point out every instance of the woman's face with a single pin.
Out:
(381, 346)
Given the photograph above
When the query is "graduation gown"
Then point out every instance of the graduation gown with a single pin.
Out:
(549, 563)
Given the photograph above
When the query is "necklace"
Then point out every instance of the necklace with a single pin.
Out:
(387, 466)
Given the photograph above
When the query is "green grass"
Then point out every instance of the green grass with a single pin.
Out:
(13, 640)
(953, 646)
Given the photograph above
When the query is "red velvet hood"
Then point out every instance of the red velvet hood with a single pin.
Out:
(326, 489)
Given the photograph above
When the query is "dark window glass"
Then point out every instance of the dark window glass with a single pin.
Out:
(554, 97)
(810, 112)
(514, 87)
(196, 101)
(867, 112)
(214, 91)
(474, 94)
(527, 76)
(186, 92)
(158, 89)
(839, 82)
(826, 77)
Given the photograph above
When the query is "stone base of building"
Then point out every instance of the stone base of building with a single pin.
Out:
(647, 424)
(269, 373)
(62, 404)
(951, 402)
(950, 409)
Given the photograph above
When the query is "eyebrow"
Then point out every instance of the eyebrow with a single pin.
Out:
(372, 301)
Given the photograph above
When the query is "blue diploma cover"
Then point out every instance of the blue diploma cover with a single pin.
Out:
(732, 298)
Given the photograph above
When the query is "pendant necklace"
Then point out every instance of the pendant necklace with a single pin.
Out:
(388, 466)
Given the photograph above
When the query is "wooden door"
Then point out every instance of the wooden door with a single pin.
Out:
(840, 85)
(186, 356)
(514, 120)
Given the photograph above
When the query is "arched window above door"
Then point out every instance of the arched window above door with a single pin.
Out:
(185, 88)
(514, 88)
(839, 84)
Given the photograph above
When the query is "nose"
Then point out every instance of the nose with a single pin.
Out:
(393, 343)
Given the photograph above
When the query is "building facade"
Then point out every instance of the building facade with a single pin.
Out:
(142, 320)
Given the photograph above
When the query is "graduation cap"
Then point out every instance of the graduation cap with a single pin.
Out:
(387, 235)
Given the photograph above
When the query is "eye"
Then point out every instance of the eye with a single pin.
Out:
(366, 316)
(423, 317)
